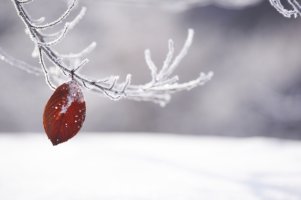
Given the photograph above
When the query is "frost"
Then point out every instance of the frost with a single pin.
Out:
(65, 107)
(159, 89)
(74, 94)
(294, 10)
(19, 64)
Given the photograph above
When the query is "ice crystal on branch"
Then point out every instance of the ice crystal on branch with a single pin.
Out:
(159, 89)
(19, 63)
(294, 10)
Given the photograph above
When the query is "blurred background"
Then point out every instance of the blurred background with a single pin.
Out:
(253, 50)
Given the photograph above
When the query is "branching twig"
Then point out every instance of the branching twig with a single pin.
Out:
(158, 89)
(294, 11)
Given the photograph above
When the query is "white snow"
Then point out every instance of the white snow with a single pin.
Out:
(148, 167)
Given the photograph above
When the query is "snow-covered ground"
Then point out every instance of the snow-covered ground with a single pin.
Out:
(148, 167)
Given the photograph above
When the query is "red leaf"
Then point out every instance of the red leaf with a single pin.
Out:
(64, 113)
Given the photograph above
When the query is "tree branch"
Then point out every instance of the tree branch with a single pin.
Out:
(158, 89)
(294, 11)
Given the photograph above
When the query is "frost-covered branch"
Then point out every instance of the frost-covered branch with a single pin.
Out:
(294, 10)
(19, 63)
(158, 89)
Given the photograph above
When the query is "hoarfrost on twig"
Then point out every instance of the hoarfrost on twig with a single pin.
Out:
(19, 63)
(294, 11)
(158, 89)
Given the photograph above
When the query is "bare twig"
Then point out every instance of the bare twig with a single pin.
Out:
(158, 89)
